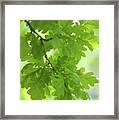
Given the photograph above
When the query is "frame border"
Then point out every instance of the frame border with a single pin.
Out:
(116, 62)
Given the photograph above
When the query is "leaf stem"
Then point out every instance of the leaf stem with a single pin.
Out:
(42, 42)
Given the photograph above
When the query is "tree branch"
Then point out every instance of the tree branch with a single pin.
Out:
(42, 42)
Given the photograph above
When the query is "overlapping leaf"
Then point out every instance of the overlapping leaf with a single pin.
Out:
(87, 79)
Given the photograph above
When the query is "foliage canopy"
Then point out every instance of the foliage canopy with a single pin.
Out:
(51, 50)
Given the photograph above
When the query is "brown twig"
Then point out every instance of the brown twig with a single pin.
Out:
(42, 42)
